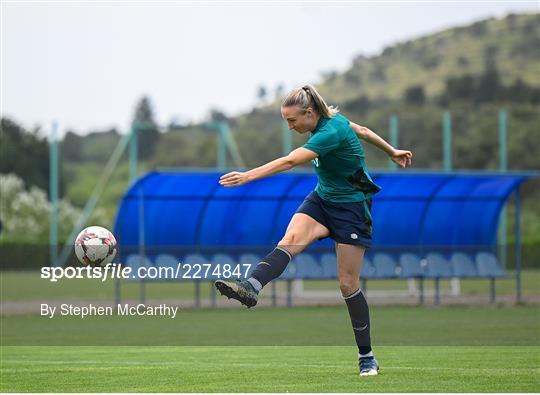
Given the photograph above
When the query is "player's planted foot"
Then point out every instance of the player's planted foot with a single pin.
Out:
(368, 366)
(240, 290)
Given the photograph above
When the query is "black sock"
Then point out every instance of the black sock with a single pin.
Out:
(271, 266)
(359, 313)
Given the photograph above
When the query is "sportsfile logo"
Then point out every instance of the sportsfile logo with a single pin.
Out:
(113, 271)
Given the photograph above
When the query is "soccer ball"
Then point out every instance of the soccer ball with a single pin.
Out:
(95, 246)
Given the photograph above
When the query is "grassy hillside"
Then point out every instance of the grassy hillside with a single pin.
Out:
(512, 44)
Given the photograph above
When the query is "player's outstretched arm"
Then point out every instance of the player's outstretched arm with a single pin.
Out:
(297, 157)
(402, 157)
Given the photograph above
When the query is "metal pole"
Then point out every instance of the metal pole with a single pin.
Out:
(448, 165)
(230, 143)
(142, 244)
(447, 141)
(221, 149)
(197, 293)
(117, 293)
(518, 245)
(286, 138)
(133, 152)
(53, 194)
(503, 140)
(503, 167)
(394, 137)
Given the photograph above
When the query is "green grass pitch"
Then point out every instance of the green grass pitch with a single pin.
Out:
(302, 349)
(267, 369)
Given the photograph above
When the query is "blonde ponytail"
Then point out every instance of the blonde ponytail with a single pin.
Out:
(307, 96)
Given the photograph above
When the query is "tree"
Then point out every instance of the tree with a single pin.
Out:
(490, 57)
(415, 95)
(261, 94)
(489, 86)
(25, 213)
(146, 128)
(25, 154)
(360, 105)
(71, 146)
(479, 28)
(520, 92)
(463, 61)
(460, 88)
(217, 115)
(280, 91)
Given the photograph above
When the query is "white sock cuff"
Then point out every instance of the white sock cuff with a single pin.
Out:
(353, 294)
(285, 251)
(256, 284)
(369, 354)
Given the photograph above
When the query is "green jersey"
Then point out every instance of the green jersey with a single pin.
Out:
(340, 167)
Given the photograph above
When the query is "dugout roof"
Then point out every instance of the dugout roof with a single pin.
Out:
(190, 208)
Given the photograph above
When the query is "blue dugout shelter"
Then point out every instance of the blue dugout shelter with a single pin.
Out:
(428, 210)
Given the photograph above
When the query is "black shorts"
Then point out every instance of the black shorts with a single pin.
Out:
(349, 223)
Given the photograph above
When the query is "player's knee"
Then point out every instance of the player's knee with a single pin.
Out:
(293, 238)
(348, 285)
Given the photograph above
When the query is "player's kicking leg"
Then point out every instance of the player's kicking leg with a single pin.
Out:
(301, 232)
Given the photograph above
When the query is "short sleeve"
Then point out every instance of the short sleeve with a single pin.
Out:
(323, 142)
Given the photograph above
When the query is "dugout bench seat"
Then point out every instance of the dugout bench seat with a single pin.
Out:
(322, 266)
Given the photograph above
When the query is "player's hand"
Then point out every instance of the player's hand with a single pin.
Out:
(402, 158)
(234, 179)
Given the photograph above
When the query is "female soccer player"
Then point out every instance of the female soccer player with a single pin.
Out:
(338, 208)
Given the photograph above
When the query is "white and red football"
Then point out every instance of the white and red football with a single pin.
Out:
(95, 246)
